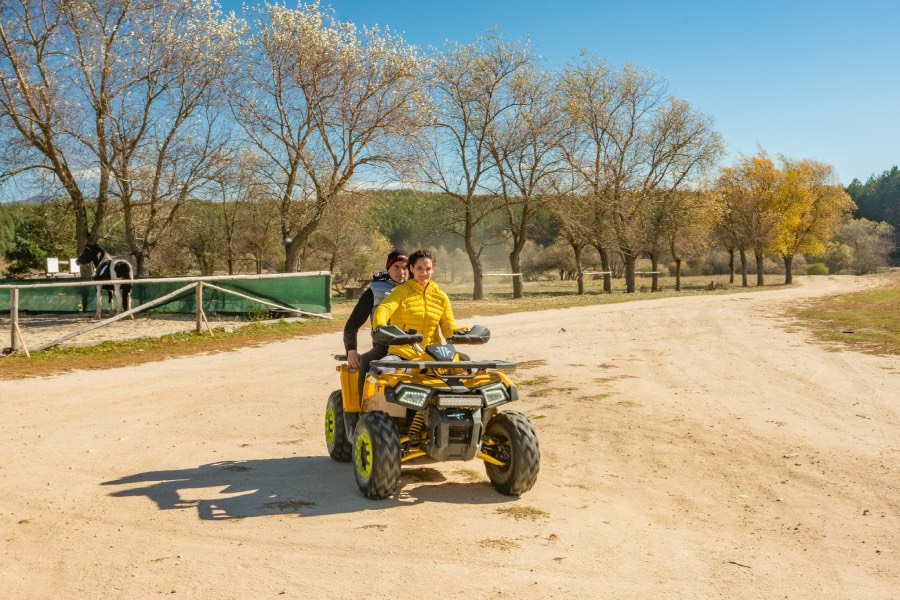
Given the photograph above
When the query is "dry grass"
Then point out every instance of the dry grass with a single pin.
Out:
(520, 513)
(500, 544)
(289, 505)
(866, 321)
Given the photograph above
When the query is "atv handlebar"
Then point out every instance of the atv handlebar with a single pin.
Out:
(477, 334)
(391, 335)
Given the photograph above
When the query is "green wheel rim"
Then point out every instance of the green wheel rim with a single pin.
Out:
(329, 425)
(364, 455)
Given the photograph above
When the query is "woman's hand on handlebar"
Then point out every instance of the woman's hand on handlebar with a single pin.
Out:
(353, 359)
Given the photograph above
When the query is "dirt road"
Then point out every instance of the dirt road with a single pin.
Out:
(695, 447)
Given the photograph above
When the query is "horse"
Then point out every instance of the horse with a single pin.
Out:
(107, 268)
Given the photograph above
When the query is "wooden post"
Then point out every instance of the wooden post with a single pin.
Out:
(22, 339)
(14, 316)
(198, 295)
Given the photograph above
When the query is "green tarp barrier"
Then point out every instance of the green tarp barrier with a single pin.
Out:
(311, 294)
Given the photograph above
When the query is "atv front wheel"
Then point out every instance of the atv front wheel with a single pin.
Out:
(335, 432)
(376, 455)
(510, 438)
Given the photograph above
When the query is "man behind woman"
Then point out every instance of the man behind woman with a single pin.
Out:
(382, 284)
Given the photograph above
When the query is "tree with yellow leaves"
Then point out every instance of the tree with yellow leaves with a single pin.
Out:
(751, 194)
(813, 206)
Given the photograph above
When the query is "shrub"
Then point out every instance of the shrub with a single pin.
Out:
(816, 269)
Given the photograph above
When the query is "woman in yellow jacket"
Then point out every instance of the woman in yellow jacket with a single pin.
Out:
(418, 305)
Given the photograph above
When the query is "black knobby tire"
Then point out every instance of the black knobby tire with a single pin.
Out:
(516, 444)
(335, 432)
(376, 455)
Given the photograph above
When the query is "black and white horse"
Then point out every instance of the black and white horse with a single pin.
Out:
(107, 268)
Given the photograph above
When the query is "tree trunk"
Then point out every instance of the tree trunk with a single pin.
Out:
(477, 271)
(515, 265)
(291, 257)
(731, 265)
(760, 279)
(578, 272)
(678, 275)
(607, 270)
(142, 268)
(788, 269)
(654, 266)
(743, 254)
(629, 258)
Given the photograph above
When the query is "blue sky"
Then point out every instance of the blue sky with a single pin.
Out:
(807, 79)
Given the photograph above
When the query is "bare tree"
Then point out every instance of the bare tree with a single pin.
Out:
(525, 146)
(691, 216)
(727, 232)
(466, 85)
(167, 137)
(575, 216)
(247, 211)
(347, 245)
(48, 125)
(116, 99)
(633, 142)
(326, 105)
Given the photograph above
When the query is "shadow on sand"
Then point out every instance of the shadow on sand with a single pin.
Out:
(305, 485)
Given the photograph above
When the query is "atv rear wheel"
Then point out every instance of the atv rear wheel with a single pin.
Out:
(335, 433)
(376, 455)
(510, 438)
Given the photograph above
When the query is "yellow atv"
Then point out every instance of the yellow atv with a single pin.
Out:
(437, 406)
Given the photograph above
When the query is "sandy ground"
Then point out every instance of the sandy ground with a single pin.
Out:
(695, 447)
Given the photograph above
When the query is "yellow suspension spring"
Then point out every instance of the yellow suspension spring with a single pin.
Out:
(416, 426)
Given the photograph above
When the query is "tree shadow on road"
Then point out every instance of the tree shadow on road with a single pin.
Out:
(305, 485)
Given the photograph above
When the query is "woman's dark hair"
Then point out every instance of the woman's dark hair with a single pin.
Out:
(417, 256)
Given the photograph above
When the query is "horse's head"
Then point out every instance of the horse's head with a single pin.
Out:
(92, 254)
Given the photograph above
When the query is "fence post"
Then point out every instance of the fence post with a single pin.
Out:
(198, 300)
(14, 317)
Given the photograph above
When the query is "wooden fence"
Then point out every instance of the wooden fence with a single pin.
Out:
(18, 342)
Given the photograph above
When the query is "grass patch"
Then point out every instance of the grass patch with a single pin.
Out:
(289, 505)
(501, 544)
(520, 513)
(236, 468)
(537, 380)
(531, 364)
(865, 321)
(594, 397)
(612, 378)
(470, 475)
(423, 474)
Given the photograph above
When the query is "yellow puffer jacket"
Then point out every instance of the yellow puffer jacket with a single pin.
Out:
(421, 308)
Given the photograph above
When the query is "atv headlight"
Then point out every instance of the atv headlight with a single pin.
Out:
(459, 401)
(413, 397)
(495, 394)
